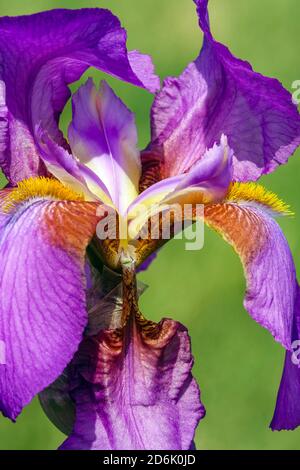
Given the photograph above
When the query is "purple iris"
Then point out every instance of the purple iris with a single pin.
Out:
(70, 324)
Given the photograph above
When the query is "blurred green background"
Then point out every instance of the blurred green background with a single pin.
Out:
(238, 364)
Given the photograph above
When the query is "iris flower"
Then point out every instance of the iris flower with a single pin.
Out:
(69, 318)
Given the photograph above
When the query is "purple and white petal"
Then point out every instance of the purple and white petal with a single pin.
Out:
(210, 177)
(206, 182)
(67, 169)
(103, 138)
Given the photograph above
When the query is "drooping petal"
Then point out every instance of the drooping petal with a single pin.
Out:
(287, 411)
(42, 281)
(103, 137)
(40, 55)
(216, 94)
(131, 378)
(135, 391)
(246, 221)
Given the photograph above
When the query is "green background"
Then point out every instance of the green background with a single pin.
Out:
(238, 364)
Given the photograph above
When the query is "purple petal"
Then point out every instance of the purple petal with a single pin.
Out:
(220, 94)
(209, 178)
(62, 164)
(144, 70)
(269, 269)
(43, 304)
(287, 411)
(135, 392)
(40, 55)
(103, 137)
(212, 175)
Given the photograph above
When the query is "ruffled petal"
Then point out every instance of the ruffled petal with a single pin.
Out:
(246, 221)
(220, 94)
(42, 279)
(287, 411)
(135, 391)
(40, 55)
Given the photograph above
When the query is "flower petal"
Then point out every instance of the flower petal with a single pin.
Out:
(212, 176)
(216, 94)
(61, 164)
(135, 391)
(287, 411)
(206, 182)
(143, 68)
(40, 55)
(43, 305)
(249, 226)
(103, 137)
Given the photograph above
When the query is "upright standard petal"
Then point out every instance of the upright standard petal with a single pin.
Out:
(216, 94)
(42, 281)
(246, 221)
(40, 55)
(287, 410)
(103, 138)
